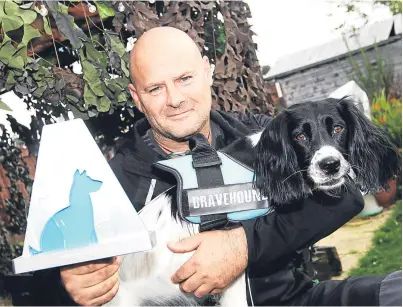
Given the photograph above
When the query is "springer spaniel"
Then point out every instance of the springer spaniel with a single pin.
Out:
(307, 147)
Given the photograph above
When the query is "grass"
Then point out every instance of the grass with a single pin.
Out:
(385, 254)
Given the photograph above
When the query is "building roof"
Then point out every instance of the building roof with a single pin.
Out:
(368, 35)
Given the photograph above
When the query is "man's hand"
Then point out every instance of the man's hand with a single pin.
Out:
(221, 256)
(92, 284)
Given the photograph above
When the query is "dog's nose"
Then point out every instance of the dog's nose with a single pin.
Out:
(330, 165)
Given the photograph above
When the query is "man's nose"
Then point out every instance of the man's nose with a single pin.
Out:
(175, 96)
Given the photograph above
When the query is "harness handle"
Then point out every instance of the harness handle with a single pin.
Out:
(206, 163)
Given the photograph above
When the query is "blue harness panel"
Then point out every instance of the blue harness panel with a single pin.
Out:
(242, 202)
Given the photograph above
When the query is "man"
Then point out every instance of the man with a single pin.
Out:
(171, 86)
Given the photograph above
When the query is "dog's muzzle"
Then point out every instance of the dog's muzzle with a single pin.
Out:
(328, 168)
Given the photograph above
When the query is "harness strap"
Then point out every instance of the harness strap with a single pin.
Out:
(206, 163)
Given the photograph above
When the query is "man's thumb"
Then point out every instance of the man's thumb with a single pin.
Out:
(186, 245)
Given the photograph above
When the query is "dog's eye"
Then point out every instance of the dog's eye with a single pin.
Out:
(300, 137)
(337, 129)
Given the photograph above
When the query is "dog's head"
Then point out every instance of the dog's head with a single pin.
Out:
(315, 145)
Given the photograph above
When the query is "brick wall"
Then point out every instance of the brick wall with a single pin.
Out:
(319, 81)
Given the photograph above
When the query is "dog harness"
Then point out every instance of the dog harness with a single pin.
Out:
(214, 189)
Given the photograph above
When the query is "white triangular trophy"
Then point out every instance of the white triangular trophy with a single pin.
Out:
(78, 211)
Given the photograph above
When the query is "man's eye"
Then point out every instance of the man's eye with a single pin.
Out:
(301, 137)
(154, 89)
(186, 78)
(337, 129)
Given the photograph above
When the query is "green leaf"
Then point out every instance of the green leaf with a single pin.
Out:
(46, 26)
(10, 81)
(6, 52)
(92, 77)
(92, 53)
(89, 97)
(122, 81)
(67, 27)
(28, 16)
(11, 23)
(39, 91)
(121, 97)
(221, 38)
(124, 68)
(131, 112)
(13, 11)
(111, 85)
(22, 52)
(4, 106)
(10, 7)
(116, 45)
(102, 60)
(63, 8)
(104, 104)
(72, 98)
(16, 62)
(27, 6)
(104, 10)
(29, 33)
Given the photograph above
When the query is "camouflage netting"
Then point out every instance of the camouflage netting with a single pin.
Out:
(40, 41)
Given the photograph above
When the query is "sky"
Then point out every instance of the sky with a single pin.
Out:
(287, 26)
(281, 26)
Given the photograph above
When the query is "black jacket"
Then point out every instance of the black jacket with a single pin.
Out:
(273, 240)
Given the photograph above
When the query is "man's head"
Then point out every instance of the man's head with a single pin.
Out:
(171, 83)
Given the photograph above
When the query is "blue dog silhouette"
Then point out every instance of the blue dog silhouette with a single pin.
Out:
(73, 226)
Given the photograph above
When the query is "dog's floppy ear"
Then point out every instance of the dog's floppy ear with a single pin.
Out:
(373, 157)
(277, 173)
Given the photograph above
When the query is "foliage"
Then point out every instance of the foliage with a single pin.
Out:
(372, 76)
(356, 13)
(395, 6)
(4, 106)
(99, 46)
(41, 42)
(385, 255)
(387, 113)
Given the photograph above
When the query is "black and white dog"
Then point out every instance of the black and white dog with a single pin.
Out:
(310, 146)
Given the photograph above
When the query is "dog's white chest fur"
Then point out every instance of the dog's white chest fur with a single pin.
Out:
(145, 277)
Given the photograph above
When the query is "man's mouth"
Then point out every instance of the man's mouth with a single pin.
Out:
(179, 115)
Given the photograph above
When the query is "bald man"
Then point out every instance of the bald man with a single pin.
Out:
(171, 86)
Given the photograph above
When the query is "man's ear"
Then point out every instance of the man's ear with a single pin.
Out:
(135, 96)
(207, 70)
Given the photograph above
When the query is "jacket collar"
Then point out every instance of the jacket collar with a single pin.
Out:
(139, 157)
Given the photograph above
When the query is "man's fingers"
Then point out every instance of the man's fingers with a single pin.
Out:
(203, 290)
(102, 288)
(107, 297)
(185, 245)
(217, 291)
(86, 268)
(184, 272)
(191, 284)
(99, 276)
(85, 296)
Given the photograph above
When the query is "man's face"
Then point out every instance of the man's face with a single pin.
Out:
(174, 94)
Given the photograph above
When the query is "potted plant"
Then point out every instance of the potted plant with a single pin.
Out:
(387, 114)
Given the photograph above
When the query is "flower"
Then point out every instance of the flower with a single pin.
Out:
(382, 120)
(377, 106)
(392, 100)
